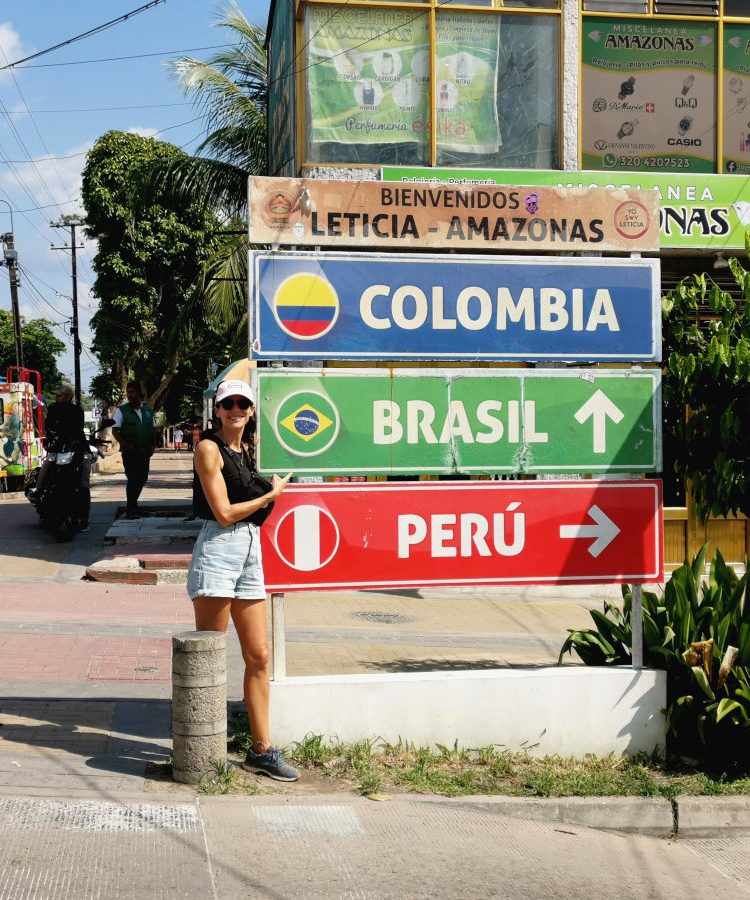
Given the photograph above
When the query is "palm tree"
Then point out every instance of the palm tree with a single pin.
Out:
(231, 91)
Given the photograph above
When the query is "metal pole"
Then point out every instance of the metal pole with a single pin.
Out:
(636, 619)
(278, 649)
(11, 259)
(76, 340)
(70, 223)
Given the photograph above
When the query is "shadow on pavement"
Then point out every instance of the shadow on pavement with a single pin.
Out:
(118, 736)
(433, 665)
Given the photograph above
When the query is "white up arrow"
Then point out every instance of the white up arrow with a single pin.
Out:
(599, 407)
(605, 531)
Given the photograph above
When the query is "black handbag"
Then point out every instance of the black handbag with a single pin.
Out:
(258, 487)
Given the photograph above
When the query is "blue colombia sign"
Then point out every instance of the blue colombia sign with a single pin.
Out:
(404, 306)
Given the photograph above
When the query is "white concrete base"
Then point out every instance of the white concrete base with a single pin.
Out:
(570, 711)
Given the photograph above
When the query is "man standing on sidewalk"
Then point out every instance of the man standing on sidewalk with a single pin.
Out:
(134, 431)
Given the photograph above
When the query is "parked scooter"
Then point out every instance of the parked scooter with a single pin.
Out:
(62, 502)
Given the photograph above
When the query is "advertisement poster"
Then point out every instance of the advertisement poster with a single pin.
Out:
(367, 75)
(705, 212)
(321, 212)
(649, 95)
(736, 99)
(466, 91)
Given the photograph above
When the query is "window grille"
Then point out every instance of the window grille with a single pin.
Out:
(687, 7)
(664, 7)
(619, 6)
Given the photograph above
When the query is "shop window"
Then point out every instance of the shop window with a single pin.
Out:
(367, 74)
(496, 95)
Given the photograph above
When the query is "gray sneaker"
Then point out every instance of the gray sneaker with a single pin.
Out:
(271, 763)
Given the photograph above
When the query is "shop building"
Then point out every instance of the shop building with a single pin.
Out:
(638, 93)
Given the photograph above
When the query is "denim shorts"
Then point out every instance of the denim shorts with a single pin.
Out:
(227, 562)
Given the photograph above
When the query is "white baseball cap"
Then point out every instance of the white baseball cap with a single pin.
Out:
(234, 388)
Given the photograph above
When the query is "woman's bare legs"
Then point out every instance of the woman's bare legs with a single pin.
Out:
(249, 617)
(212, 613)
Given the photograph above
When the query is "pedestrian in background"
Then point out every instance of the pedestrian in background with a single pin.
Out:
(177, 435)
(196, 435)
(134, 432)
(226, 571)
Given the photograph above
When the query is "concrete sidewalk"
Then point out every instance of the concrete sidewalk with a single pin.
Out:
(339, 847)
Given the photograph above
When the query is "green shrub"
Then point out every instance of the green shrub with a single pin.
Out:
(698, 630)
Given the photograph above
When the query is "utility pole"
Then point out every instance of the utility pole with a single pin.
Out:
(10, 259)
(72, 224)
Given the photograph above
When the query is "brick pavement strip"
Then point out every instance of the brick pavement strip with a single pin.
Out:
(70, 658)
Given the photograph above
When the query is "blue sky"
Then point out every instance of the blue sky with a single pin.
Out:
(53, 108)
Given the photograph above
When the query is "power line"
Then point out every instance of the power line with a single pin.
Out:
(36, 112)
(46, 158)
(104, 59)
(92, 31)
(39, 135)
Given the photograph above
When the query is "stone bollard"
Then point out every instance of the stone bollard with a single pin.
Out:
(199, 704)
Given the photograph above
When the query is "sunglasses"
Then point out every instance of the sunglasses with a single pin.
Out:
(229, 402)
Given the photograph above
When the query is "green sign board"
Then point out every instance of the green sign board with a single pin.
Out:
(444, 421)
(704, 212)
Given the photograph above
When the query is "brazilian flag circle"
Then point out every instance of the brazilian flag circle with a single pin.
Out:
(306, 423)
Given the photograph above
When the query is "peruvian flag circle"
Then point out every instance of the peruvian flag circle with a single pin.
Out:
(307, 538)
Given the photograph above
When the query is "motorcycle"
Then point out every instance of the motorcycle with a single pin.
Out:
(62, 502)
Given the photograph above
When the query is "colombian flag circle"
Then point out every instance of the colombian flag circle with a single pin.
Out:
(306, 306)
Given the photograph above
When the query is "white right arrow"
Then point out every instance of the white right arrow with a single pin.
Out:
(599, 407)
(605, 531)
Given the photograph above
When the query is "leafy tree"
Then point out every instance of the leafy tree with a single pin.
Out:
(151, 249)
(707, 372)
(41, 348)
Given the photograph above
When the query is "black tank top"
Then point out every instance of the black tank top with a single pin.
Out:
(239, 475)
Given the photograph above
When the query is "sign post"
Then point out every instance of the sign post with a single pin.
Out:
(365, 536)
(318, 212)
(490, 308)
(446, 421)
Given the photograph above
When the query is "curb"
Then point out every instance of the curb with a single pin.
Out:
(652, 816)
(132, 570)
(685, 817)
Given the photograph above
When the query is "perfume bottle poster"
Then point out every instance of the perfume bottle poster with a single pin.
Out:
(367, 75)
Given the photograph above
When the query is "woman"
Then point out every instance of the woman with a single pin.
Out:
(226, 571)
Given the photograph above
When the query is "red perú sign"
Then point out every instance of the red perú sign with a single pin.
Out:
(338, 536)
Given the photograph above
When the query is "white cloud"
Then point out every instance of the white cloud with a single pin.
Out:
(143, 132)
(60, 178)
(11, 48)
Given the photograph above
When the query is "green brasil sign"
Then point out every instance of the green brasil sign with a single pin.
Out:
(444, 421)
(703, 212)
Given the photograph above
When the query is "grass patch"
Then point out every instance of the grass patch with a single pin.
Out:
(375, 766)
(378, 766)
